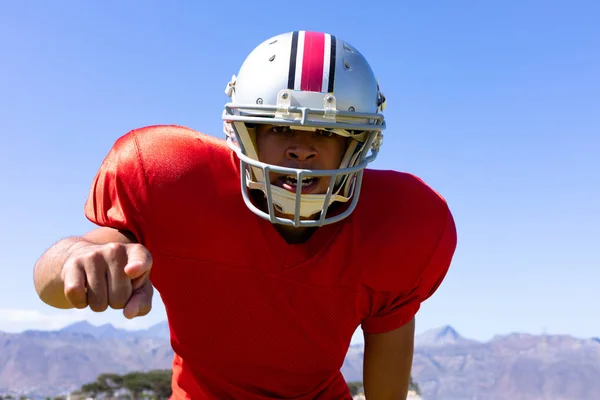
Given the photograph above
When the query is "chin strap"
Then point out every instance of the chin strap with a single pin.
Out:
(284, 201)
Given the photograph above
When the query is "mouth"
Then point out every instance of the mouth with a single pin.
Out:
(290, 183)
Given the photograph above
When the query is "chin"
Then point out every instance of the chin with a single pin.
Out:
(291, 216)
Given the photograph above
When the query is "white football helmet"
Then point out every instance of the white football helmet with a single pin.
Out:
(305, 80)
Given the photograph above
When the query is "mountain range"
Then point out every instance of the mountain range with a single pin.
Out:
(446, 365)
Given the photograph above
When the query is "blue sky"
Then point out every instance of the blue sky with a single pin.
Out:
(495, 104)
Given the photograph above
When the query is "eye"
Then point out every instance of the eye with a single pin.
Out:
(280, 129)
(322, 133)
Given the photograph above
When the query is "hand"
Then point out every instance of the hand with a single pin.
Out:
(113, 274)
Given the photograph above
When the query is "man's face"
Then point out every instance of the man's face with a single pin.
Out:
(286, 147)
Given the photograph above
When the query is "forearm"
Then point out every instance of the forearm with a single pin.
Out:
(390, 386)
(388, 362)
(47, 277)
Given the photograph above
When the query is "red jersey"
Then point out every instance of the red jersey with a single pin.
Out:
(251, 316)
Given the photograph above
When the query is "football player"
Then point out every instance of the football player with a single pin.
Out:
(269, 247)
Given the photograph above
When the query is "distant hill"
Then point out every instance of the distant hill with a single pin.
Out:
(50, 363)
(108, 331)
(518, 366)
(446, 366)
(446, 335)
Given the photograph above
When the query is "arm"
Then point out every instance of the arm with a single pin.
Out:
(387, 363)
(101, 268)
(397, 290)
(107, 266)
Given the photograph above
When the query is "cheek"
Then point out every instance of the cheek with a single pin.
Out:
(261, 145)
(336, 152)
(266, 148)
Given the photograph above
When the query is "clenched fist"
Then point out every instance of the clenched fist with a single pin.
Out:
(112, 275)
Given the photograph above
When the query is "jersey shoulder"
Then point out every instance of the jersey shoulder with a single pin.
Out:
(161, 171)
(402, 198)
(407, 222)
(171, 154)
(170, 145)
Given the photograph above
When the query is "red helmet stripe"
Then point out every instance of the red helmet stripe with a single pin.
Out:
(313, 61)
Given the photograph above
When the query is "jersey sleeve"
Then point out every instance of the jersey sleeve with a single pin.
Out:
(118, 195)
(391, 310)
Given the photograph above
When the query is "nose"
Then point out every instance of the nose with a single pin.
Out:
(300, 147)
